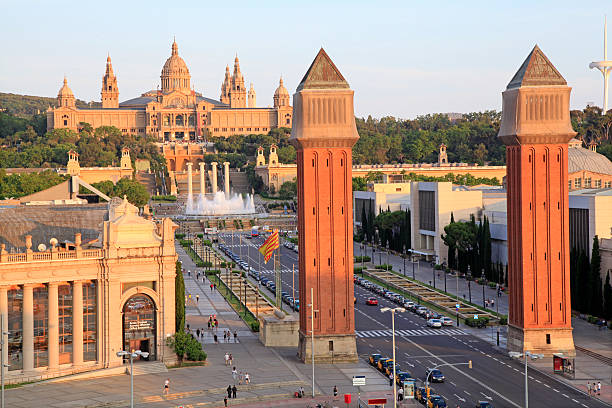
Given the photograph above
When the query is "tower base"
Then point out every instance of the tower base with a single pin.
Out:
(328, 348)
(547, 341)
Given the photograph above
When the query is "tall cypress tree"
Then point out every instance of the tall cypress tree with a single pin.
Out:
(595, 293)
(607, 294)
(452, 250)
(487, 252)
(179, 298)
(584, 279)
(364, 223)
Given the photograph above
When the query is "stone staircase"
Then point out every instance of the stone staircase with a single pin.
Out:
(148, 180)
(239, 182)
(248, 294)
(147, 367)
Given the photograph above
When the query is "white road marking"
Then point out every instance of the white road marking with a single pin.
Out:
(467, 392)
(555, 390)
(486, 396)
(575, 401)
(565, 395)
(459, 398)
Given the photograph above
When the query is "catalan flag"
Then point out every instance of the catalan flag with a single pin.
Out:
(269, 246)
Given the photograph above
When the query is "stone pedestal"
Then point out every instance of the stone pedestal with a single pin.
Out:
(328, 349)
(535, 341)
(275, 332)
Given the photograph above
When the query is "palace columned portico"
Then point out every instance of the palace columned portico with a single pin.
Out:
(70, 309)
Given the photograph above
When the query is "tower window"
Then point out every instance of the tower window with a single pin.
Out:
(65, 122)
(547, 338)
(313, 163)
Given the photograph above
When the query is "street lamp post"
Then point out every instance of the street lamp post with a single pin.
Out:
(387, 266)
(483, 288)
(312, 315)
(533, 356)
(362, 258)
(132, 355)
(404, 270)
(393, 310)
(412, 260)
(469, 279)
(444, 273)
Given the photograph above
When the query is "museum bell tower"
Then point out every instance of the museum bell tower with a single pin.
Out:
(536, 128)
(110, 90)
(323, 134)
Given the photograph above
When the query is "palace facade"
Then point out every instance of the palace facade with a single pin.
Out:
(78, 283)
(176, 111)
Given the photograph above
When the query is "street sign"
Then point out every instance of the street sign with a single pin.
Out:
(475, 317)
(359, 380)
(457, 306)
(374, 401)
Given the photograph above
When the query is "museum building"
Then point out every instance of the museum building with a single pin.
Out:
(78, 283)
(176, 111)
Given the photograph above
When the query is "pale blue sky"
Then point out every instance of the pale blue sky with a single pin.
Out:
(402, 58)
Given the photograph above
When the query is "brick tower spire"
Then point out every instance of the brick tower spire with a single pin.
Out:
(110, 90)
(536, 129)
(323, 134)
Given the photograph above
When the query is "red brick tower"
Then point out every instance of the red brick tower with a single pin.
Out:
(536, 128)
(323, 134)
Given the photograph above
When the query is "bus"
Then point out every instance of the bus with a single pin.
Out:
(254, 232)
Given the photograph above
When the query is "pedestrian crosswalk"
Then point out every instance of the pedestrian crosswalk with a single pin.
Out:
(271, 271)
(409, 333)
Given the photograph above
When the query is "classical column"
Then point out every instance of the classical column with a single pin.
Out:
(28, 327)
(226, 179)
(202, 178)
(4, 313)
(214, 177)
(77, 323)
(189, 181)
(53, 326)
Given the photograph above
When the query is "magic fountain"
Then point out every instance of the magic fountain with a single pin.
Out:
(218, 202)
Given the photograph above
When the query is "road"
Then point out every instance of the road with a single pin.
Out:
(495, 377)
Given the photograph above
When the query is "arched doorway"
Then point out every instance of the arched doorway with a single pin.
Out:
(139, 325)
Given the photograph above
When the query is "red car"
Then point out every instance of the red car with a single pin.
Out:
(372, 301)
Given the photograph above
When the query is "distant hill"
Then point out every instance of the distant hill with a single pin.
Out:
(27, 105)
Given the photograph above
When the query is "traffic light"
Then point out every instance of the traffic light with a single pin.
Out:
(470, 364)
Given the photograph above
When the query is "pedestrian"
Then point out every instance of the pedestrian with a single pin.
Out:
(226, 357)
(225, 401)
(234, 374)
(335, 391)
(198, 333)
(234, 389)
(197, 298)
(211, 287)
(247, 378)
(390, 380)
(492, 303)
(486, 302)
(598, 387)
(229, 391)
(216, 340)
(400, 394)
(209, 325)
(229, 335)
(225, 337)
(235, 336)
(589, 387)
(166, 386)
(240, 378)
(231, 360)
(216, 323)
(302, 392)
(189, 273)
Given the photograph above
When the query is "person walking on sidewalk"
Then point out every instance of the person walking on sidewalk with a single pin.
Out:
(598, 387)
(589, 387)
(197, 298)
(225, 401)
(226, 358)
(234, 389)
(225, 337)
(216, 340)
(229, 391)
(211, 287)
(231, 360)
(198, 333)
(234, 374)
(390, 380)
(235, 336)
(247, 378)
(335, 391)
(166, 386)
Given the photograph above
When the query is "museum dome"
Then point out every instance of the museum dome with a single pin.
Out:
(281, 95)
(175, 74)
(65, 91)
(281, 90)
(581, 159)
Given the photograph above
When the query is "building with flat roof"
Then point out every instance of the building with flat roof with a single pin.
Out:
(79, 283)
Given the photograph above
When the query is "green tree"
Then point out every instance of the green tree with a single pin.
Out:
(288, 190)
(179, 300)
(607, 292)
(595, 292)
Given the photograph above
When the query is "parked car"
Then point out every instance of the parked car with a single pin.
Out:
(484, 404)
(383, 363)
(389, 369)
(436, 323)
(374, 359)
(372, 301)
(420, 394)
(401, 376)
(436, 401)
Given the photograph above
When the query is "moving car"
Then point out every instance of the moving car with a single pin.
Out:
(422, 310)
(447, 321)
(484, 404)
(434, 323)
(435, 375)
(372, 301)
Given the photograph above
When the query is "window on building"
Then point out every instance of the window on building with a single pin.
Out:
(232, 129)
(90, 329)
(41, 328)
(598, 183)
(427, 210)
(65, 323)
(224, 129)
(257, 129)
(248, 129)
(65, 122)
(166, 120)
(578, 183)
(579, 229)
(15, 327)
(569, 184)
(216, 129)
(608, 184)
(587, 182)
